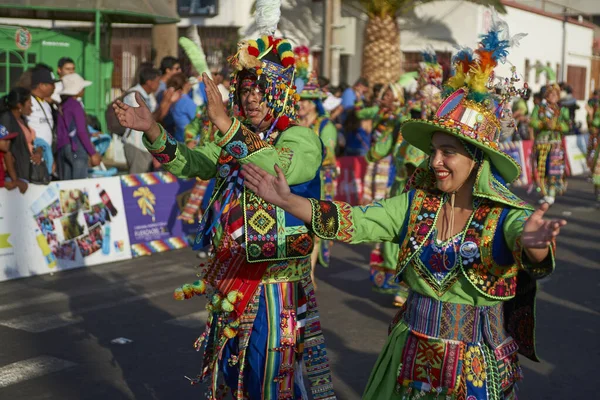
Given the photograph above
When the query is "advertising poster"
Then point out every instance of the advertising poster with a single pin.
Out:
(153, 202)
(64, 225)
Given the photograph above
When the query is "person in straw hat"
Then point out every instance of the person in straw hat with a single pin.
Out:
(73, 141)
(263, 326)
(470, 249)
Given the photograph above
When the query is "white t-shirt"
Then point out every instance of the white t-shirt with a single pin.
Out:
(135, 137)
(41, 120)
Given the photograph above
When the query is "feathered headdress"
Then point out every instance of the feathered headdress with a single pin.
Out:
(475, 69)
(430, 71)
(271, 62)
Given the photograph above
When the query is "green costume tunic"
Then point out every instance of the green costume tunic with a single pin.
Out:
(449, 340)
(326, 131)
(550, 123)
(593, 149)
(387, 145)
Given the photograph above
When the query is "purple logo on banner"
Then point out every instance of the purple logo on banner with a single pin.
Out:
(151, 205)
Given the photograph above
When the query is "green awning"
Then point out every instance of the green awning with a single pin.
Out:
(114, 11)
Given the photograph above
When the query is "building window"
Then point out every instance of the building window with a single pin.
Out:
(198, 8)
(576, 79)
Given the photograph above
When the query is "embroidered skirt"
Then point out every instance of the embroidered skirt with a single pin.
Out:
(279, 338)
(440, 350)
(549, 164)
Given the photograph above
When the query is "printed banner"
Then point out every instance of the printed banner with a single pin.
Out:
(153, 202)
(63, 225)
(576, 149)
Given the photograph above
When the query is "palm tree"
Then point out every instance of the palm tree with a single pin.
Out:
(381, 61)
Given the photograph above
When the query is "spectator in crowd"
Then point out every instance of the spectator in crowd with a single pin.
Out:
(569, 101)
(183, 111)
(41, 119)
(5, 140)
(66, 66)
(218, 76)
(138, 158)
(73, 145)
(520, 111)
(14, 108)
(169, 66)
(352, 98)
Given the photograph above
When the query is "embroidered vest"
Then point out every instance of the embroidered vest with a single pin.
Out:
(271, 234)
(475, 255)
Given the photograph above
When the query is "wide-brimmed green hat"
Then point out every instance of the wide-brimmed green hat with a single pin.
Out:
(311, 89)
(467, 120)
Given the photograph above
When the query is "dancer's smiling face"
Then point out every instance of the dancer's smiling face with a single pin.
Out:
(450, 162)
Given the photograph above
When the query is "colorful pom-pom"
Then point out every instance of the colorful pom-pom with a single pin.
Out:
(253, 51)
(199, 287)
(284, 46)
(216, 300)
(178, 294)
(226, 305)
(260, 43)
(188, 291)
(233, 296)
(287, 61)
(282, 123)
(229, 333)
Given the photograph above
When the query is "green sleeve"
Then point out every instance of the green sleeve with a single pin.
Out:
(367, 113)
(329, 139)
(535, 121)
(181, 161)
(513, 228)
(382, 143)
(376, 222)
(596, 120)
(563, 120)
(298, 151)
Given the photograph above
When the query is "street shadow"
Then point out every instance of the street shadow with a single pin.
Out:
(135, 305)
(351, 366)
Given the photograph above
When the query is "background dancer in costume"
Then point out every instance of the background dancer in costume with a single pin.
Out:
(311, 114)
(549, 122)
(593, 149)
(386, 149)
(429, 98)
(263, 324)
(470, 248)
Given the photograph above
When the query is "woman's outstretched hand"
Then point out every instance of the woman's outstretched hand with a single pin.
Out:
(272, 189)
(538, 232)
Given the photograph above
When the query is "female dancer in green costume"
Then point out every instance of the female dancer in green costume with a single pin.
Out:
(470, 250)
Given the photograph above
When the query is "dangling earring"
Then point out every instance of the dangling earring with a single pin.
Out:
(20, 109)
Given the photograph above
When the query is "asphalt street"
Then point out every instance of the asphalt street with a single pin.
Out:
(56, 331)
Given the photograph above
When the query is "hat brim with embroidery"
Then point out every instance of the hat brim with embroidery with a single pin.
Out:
(466, 120)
